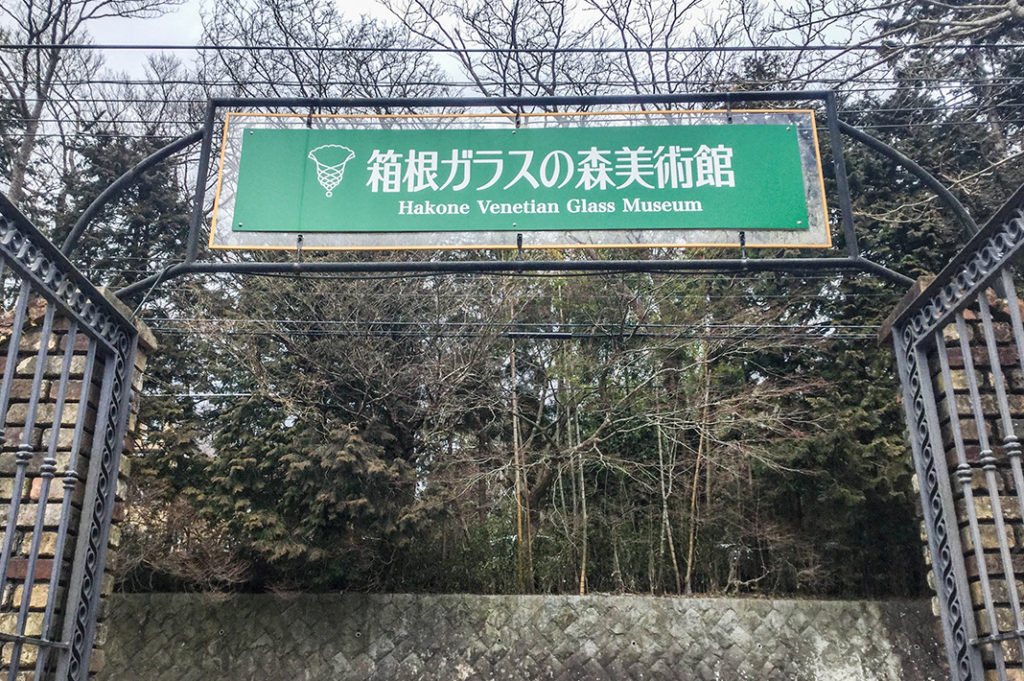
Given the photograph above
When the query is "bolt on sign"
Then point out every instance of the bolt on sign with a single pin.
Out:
(668, 178)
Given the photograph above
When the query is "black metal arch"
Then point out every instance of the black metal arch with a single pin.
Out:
(43, 273)
(121, 183)
(854, 261)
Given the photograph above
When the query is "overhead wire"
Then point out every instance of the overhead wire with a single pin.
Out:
(987, 108)
(405, 329)
(859, 85)
(678, 49)
(878, 86)
(697, 333)
(83, 134)
(481, 324)
(201, 101)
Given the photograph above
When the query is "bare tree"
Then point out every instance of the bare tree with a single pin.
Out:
(323, 54)
(586, 47)
(34, 73)
(520, 48)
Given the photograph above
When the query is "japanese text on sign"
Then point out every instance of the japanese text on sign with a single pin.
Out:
(663, 167)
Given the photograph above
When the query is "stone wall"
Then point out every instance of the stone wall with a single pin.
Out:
(183, 637)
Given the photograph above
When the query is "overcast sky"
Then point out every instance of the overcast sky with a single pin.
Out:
(181, 26)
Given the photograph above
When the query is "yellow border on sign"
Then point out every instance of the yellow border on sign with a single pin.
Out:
(479, 247)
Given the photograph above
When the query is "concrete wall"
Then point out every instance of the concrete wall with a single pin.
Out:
(182, 637)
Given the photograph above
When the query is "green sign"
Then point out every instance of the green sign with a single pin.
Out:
(304, 181)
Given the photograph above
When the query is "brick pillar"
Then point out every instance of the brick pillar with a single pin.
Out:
(77, 397)
(988, 499)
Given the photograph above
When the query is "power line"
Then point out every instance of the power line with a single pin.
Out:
(427, 296)
(894, 90)
(692, 276)
(866, 125)
(995, 80)
(771, 337)
(697, 49)
(197, 396)
(535, 325)
(882, 110)
(406, 330)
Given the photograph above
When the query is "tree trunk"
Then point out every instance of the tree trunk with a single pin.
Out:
(666, 526)
(519, 482)
(701, 447)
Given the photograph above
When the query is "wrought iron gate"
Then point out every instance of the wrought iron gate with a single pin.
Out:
(960, 353)
(67, 355)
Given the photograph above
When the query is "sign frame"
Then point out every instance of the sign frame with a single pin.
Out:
(228, 239)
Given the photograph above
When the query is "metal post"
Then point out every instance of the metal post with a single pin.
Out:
(202, 173)
(842, 183)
